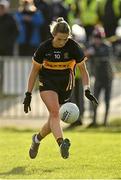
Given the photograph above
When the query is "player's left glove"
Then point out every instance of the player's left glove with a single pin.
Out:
(27, 101)
(89, 96)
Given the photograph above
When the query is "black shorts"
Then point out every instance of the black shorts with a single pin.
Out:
(57, 84)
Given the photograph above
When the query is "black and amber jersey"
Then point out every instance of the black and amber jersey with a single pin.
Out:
(58, 64)
(59, 59)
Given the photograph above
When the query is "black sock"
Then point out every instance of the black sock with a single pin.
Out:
(39, 137)
(59, 141)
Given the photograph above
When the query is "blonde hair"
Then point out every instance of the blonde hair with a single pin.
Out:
(60, 26)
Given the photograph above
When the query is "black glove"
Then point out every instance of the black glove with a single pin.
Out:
(27, 101)
(91, 97)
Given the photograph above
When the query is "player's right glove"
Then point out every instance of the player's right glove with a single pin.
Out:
(27, 102)
(89, 95)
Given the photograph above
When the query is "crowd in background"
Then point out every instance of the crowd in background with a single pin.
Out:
(28, 26)
(23, 30)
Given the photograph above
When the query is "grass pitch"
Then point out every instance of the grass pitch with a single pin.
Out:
(94, 154)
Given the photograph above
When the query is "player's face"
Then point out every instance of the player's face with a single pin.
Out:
(60, 40)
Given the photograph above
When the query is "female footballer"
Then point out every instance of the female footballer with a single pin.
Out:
(54, 61)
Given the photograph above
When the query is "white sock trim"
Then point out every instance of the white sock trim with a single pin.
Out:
(36, 140)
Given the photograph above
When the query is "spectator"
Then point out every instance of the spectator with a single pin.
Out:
(8, 34)
(116, 42)
(29, 21)
(88, 15)
(58, 9)
(100, 52)
(72, 10)
(8, 30)
(45, 8)
(109, 12)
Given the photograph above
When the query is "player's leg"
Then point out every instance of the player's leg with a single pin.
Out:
(51, 100)
(36, 138)
(97, 91)
(45, 130)
(107, 101)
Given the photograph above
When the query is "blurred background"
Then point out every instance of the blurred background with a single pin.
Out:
(96, 25)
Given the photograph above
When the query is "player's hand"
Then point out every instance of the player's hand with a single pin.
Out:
(91, 97)
(27, 101)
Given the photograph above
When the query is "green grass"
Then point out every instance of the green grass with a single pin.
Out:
(94, 154)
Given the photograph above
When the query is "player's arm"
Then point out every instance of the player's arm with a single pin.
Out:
(33, 75)
(86, 83)
(32, 78)
(84, 73)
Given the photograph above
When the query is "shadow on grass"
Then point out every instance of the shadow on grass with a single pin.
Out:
(96, 130)
(113, 127)
(43, 170)
(14, 171)
(22, 171)
(14, 129)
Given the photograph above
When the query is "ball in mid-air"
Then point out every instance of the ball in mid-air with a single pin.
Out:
(69, 112)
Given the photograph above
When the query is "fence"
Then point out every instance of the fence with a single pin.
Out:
(14, 73)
